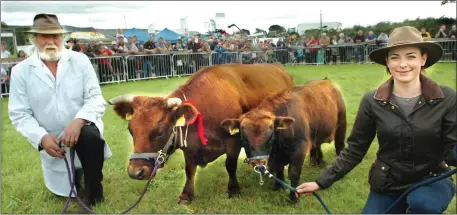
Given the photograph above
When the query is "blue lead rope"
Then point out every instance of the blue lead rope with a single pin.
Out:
(428, 181)
(425, 182)
(264, 170)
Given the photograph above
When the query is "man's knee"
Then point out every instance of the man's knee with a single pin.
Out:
(91, 135)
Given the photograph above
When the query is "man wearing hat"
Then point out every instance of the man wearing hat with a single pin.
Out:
(414, 119)
(56, 103)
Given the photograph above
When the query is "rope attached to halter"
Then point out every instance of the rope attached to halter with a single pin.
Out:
(157, 165)
(263, 170)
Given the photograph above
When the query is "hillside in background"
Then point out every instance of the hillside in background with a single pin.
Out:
(110, 33)
(432, 25)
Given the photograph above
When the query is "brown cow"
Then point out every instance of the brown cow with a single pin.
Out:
(279, 131)
(214, 93)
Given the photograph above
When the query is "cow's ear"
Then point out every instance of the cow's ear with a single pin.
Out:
(232, 126)
(283, 122)
(185, 114)
(124, 110)
(123, 106)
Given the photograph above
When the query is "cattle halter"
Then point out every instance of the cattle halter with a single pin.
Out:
(161, 155)
(260, 157)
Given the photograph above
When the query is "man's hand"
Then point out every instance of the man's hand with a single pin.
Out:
(72, 131)
(307, 188)
(50, 145)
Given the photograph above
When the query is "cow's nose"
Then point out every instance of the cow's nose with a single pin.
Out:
(251, 164)
(136, 173)
(254, 163)
(139, 173)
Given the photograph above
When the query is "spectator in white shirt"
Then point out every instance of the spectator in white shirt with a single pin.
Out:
(5, 53)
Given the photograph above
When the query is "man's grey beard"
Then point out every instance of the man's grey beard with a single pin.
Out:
(50, 55)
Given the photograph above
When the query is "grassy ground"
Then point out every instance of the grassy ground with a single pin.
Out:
(23, 190)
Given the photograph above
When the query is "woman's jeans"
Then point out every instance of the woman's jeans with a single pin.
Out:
(430, 199)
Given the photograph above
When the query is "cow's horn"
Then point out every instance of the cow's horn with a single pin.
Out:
(121, 98)
(173, 102)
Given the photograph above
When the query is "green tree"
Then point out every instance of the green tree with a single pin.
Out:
(258, 30)
(431, 24)
(447, 1)
(21, 37)
(276, 30)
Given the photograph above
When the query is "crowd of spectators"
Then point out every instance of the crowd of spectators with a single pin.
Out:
(304, 47)
(323, 48)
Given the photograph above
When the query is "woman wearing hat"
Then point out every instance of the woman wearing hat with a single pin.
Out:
(72, 44)
(414, 119)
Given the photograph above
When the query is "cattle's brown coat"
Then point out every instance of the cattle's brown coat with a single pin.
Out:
(310, 114)
(218, 92)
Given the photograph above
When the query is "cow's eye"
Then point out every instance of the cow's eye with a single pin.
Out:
(157, 133)
(160, 133)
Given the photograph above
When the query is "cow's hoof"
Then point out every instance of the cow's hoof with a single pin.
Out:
(232, 194)
(293, 201)
(293, 198)
(315, 163)
(277, 187)
(183, 201)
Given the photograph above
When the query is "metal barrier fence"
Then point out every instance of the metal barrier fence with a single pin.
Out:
(122, 68)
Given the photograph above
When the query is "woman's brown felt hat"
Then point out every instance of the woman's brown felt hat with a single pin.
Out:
(404, 36)
(46, 24)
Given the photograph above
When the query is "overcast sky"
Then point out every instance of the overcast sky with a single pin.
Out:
(249, 15)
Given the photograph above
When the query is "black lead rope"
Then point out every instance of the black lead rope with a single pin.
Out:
(160, 157)
(425, 182)
(72, 181)
(263, 170)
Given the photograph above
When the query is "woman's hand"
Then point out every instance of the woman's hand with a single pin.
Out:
(307, 188)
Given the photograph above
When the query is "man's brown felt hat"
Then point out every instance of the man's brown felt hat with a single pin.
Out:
(46, 24)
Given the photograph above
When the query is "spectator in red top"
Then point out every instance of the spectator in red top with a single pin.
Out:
(104, 64)
(194, 45)
(312, 56)
(359, 38)
(359, 51)
(120, 46)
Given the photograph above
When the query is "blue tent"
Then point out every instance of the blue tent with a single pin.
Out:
(167, 34)
(141, 35)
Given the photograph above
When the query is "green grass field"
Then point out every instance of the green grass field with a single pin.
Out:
(23, 190)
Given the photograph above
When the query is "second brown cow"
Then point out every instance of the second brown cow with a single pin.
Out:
(280, 130)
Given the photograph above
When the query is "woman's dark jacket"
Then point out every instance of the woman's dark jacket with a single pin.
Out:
(410, 148)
